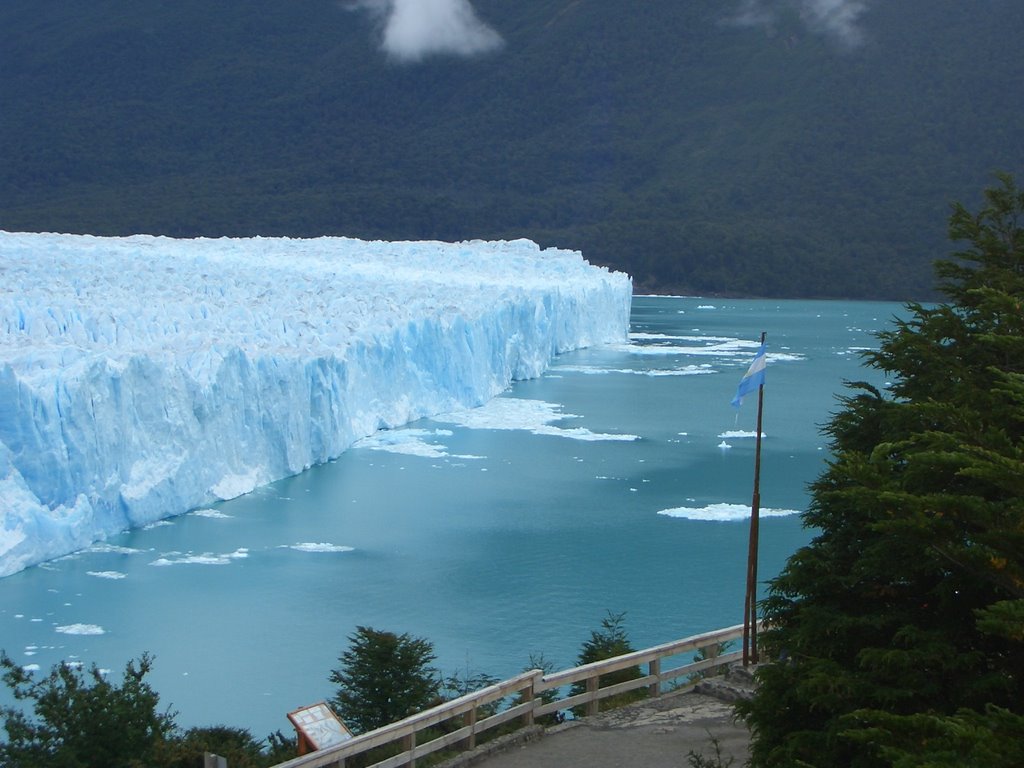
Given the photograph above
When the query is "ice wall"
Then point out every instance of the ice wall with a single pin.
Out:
(142, 377)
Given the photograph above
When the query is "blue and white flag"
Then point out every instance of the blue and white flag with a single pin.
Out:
(753, 378)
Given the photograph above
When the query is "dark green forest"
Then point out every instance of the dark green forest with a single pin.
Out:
(665, 139)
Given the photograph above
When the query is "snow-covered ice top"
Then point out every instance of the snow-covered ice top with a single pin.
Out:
(141, 377)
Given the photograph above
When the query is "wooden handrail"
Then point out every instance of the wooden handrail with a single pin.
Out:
(529, 685)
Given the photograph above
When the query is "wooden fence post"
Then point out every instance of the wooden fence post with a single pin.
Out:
(592, 685)
(469, 719)
(654, 669)
(529, 695)
(409, 745)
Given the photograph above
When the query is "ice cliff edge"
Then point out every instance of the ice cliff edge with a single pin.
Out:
(141, 377)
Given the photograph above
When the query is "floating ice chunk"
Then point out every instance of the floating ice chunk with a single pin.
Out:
(536, 416)
(81, 629)
(724, 512)
(698, 346)
(689, 370)
(113, 549)
(310, 546)
(113, 575)
(411, 442)
(207, 558)
(210, 513)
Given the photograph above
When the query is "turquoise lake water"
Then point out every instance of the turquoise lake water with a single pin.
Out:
(619, 481)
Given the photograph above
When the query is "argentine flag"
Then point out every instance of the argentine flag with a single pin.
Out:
(753, 378)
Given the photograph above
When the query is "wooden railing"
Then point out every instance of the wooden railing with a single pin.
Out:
(463, 732)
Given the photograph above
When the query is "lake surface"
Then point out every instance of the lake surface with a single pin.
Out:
(620, 481)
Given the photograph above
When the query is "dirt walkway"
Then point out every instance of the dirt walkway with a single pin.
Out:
(656, 733)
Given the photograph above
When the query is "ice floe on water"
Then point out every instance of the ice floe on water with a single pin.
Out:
(729, 348)
(80, 629)
(113, 549)
(503, 413)
(535, 416)
(206, 558)
(322, 546)
(112, 575)
(688, 370)
(724, 512)
(411, 442)
(741, 433)
(210, 513)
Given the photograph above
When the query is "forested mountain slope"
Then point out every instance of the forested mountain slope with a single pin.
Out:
(766, 147)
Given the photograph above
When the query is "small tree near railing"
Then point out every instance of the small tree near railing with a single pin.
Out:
(531, 693)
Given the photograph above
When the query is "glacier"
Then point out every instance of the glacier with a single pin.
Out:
(144, 376)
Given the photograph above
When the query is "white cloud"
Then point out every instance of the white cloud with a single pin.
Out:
(838, 19)
(416, 29)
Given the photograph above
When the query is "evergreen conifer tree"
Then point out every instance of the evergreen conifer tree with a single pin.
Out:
(383, 678)
(610, 641)
(901, 624)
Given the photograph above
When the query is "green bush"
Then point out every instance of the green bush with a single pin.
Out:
(82, 718)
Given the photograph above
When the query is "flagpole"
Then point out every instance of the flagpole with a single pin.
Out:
(750, 601)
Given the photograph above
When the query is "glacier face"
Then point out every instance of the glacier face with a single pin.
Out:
(141, 377)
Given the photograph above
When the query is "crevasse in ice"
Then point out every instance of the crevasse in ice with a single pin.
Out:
(141, 377)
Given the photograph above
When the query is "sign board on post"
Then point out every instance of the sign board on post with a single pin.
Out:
(318, 727)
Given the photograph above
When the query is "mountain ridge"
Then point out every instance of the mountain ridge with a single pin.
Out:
(699, 154)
